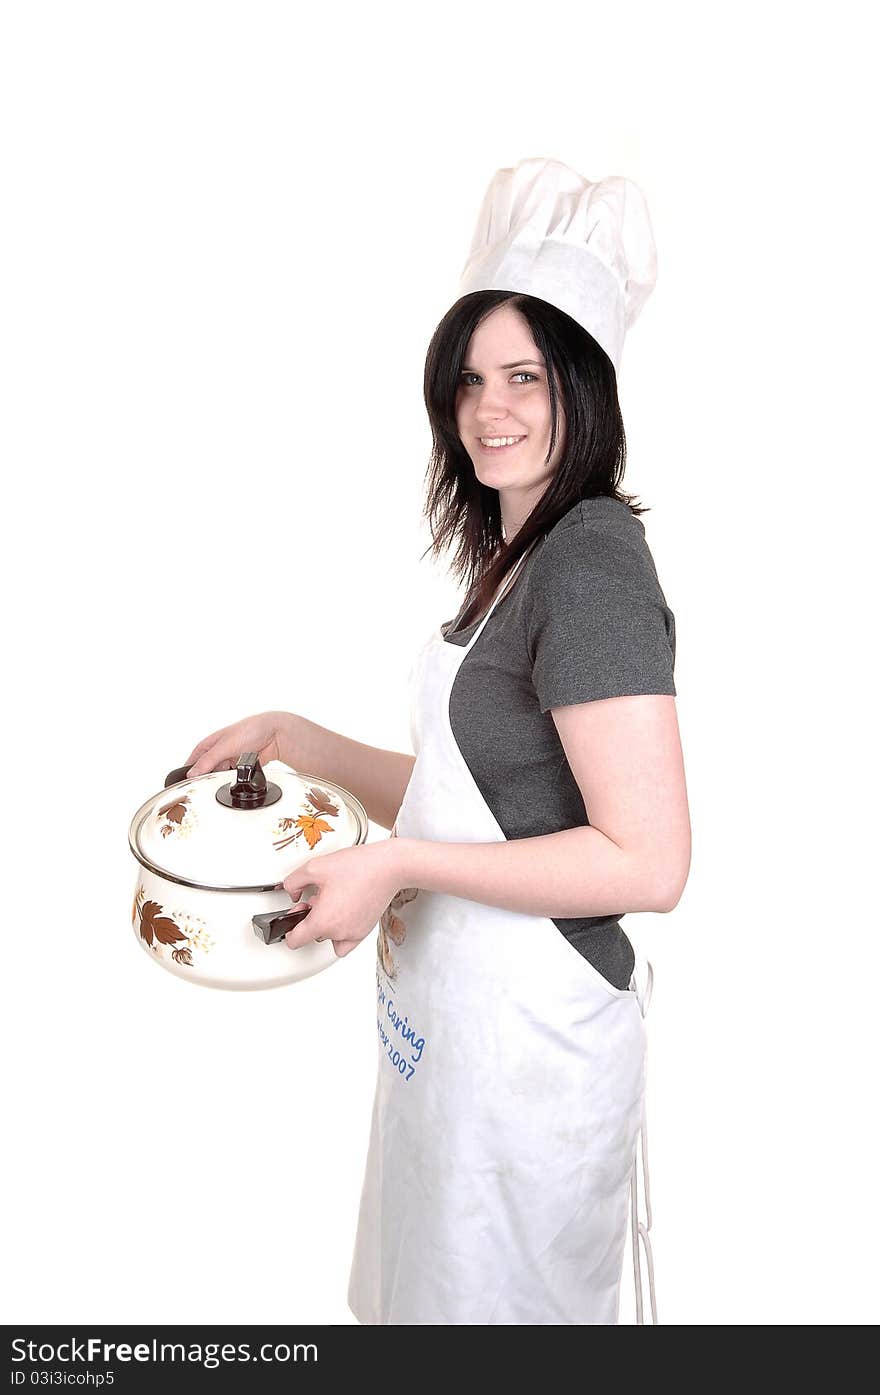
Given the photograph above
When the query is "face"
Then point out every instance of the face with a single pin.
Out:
(503, 392)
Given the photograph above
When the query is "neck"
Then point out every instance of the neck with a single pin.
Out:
(515, 510)
(510, 524)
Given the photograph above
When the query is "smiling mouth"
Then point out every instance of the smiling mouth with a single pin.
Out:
(500, 450)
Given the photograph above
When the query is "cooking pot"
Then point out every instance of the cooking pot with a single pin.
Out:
(212, 852)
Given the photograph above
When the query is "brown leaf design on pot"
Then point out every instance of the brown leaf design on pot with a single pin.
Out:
(157, 928)
(153, 923)
(178, 815)
(322, 801)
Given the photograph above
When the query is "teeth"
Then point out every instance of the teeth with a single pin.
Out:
(499, 440)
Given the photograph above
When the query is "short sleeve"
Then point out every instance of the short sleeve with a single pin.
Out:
(598, 625)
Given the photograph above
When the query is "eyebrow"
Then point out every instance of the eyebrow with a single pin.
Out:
(519, 364)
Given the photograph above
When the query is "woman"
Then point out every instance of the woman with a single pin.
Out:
(547, 797)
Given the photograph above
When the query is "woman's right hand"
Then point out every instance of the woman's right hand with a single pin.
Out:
(269, 734)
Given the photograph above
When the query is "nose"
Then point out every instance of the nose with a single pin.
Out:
(492, 406)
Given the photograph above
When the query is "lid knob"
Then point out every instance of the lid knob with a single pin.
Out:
(250, 789)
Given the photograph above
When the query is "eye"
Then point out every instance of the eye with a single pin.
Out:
(523, 374)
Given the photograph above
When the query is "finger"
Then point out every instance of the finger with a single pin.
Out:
(203, 762)
(304, 933)
(205, 744)
(299, 879)
(217, 753)
(343, 947)
(211, 760)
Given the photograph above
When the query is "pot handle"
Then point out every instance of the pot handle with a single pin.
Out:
(272, 926)
(175, 777)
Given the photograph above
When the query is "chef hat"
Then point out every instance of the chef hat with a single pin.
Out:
(586, 248)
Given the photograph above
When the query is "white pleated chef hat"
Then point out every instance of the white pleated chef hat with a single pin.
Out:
(586, 248)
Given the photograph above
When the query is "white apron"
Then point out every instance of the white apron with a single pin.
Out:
(510, 1093)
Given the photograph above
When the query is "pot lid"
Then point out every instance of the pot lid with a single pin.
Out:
(244, 829)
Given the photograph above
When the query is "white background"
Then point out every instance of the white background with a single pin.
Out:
(230, 230)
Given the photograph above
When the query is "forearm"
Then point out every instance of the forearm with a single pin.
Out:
(377, 778)
(575, 873)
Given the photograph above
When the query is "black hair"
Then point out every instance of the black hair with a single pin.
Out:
(458, 506)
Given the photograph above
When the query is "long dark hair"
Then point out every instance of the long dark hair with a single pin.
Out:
(462, 510)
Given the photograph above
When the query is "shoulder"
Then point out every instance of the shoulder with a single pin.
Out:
(597, 622)
(597, 538)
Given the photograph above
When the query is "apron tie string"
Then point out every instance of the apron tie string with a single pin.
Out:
(638, 1230)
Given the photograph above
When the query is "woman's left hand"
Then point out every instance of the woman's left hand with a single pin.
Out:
(355, 886)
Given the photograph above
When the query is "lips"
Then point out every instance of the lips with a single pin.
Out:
(498, 450)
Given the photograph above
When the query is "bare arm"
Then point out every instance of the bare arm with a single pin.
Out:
(577, 872)
(378, 778)
(625, 754)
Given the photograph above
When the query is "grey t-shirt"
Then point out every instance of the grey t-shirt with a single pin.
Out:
(584, 619)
